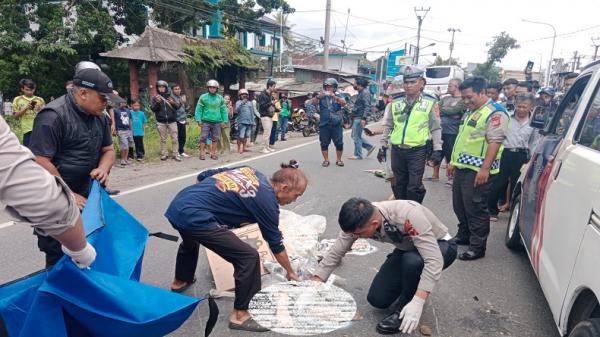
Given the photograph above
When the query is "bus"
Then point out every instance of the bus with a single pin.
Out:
(438, 77)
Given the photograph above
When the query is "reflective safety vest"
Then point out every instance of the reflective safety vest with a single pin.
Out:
(411, 129)
(471, 145)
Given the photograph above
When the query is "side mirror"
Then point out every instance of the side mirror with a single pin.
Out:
(539, 118)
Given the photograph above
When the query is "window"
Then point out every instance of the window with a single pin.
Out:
(438, 72)
(566, 111)
(589, 134)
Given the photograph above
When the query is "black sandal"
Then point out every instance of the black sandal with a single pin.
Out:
(183, 288)
(248, 325)
(339, 163)
(325, 163)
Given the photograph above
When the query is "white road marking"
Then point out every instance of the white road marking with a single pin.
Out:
(7, 224)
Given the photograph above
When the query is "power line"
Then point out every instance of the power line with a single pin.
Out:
(564, 34)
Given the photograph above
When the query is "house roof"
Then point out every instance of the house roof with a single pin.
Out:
(271, 22)
(155, 45)
(319, 68)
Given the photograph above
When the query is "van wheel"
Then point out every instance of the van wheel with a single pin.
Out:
(587, 328)
(512, 239)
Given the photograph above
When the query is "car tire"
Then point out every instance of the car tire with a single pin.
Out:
(587, 328)
(512, 239)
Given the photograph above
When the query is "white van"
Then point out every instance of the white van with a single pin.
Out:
(555, 213)
(438, 77)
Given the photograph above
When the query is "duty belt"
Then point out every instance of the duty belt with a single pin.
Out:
(404, 146)
(519, 149)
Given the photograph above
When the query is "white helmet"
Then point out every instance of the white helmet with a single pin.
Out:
(212, 84)
(243, 92)
(86, 65)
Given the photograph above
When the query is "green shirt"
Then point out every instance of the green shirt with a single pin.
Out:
(285, 109)
(211, 108)
(19, 103)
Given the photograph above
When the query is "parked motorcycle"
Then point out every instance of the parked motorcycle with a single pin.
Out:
(295, 121)
(310, 125)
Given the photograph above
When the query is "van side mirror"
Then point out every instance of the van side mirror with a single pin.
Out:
(539, 118)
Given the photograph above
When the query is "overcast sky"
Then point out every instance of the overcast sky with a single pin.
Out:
(478, 21)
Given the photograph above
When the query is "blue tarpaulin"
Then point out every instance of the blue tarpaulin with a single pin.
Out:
(105, 300)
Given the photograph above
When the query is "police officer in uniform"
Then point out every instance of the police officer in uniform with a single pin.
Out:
(474, 164)
(414, 118)
(422, 250)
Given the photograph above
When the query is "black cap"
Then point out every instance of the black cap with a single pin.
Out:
(96, 80)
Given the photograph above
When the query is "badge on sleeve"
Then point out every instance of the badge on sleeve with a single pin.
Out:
(409, 229)
(496, 120)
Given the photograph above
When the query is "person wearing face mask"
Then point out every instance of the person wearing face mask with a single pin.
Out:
(474, 165)
(165, 108)
(72, 139)
(227, 198)
(409, 274)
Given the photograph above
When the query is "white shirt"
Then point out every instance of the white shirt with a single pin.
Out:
(519, 134)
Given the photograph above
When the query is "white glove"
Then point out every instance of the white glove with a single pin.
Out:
(83, 258)
(411, 314)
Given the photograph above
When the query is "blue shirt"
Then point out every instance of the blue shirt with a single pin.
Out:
(245, 112)
(139, 119)
(331, 111)
(228, 197)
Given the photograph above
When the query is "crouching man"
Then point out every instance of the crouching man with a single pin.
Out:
(410, 272)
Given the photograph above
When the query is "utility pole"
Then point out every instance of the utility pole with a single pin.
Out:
(326, 44)
(453, 30)
(420, 18)
(344, 40)
(596, 46)
(574, 67)
(281, 40)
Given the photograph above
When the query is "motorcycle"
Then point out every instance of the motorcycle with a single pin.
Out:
(295, 121)
(310, 125)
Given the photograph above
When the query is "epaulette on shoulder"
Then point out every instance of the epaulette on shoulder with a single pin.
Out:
(431, 96)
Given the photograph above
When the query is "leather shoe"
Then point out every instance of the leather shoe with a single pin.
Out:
(470, 255)
(390, 325)
(460, 242)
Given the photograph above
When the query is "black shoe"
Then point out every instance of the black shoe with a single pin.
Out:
(389, 325)
(460, 242)
(111, 191)
(470, 255)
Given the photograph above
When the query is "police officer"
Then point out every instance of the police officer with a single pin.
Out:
(72, 140)
(414, 118)
(331, 121)
(474, 164)
(422, 250)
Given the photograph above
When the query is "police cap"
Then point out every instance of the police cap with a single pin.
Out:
(410, 73)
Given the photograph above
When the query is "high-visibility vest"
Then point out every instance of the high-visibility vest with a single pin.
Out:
(411, 129)
(471, 146)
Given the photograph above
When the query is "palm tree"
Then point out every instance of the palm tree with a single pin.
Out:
(288, 40)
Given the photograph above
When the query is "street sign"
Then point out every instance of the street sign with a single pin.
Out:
(396, 60)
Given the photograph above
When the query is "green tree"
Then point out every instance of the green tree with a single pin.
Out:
(498, 49)
(439, 61)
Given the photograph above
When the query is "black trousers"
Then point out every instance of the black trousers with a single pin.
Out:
(470, 205)
(400, 275)
(408, 166)
(510, 169)
(139, 147)
(448, 141)
(27, 139)
(51, 248)
(255, 129)
(181, 136)
(245, 260)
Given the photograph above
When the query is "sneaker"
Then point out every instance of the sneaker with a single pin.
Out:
(272, 149)
(177, 158)
(185, 155)
(265, 151)
(140, 159)
(163, 158)
(123, 163)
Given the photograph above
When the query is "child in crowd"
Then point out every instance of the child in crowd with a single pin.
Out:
(122, 118)
(139, 119)
(25, 107)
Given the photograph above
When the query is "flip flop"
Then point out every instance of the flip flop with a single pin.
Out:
(339, 163)
(248, 325)
(183, 288)
(202, 157)
(325, 163)
(214, 157)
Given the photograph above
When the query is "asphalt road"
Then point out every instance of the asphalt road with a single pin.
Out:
(495, 296)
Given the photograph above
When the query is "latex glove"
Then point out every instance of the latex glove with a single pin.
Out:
(382, 154)
(83, 258)
(411, 314)
(436, 157)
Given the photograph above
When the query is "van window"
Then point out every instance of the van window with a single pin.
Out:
(589, 133)
(566, 111)
(442, 72)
